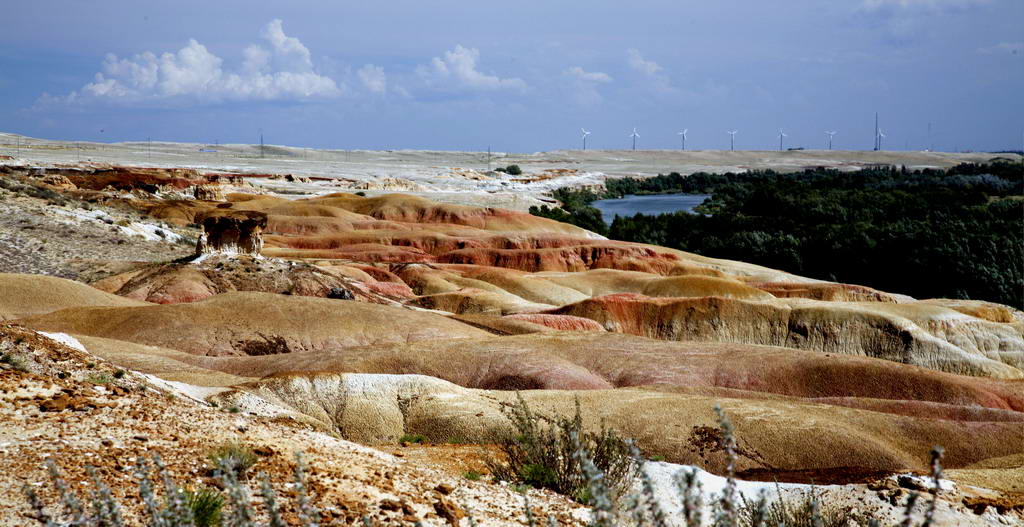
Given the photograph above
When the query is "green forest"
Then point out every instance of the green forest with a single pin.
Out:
(956, 233)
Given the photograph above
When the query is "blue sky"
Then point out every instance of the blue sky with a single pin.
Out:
(517, 76)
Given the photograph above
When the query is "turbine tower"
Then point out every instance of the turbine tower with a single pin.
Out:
(634, 135)
(683, 134)
(732, 139)
(585, 134)
(830, 134)
(781, 136)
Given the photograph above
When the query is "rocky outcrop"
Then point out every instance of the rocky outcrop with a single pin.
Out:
(172, 283)
(231, 232)
(208, 192)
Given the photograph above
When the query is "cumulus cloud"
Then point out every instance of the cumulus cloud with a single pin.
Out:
(279, 70)
(1012, 48)
(457, 70)
(583, 84)
(639, 63)
(650, 70)
(373, 78)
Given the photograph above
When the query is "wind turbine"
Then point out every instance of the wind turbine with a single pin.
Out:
(585, 134)
(683, 134)
(781, 135)
(634, 135)
(881, 136)
(830, 134)
(732, 139)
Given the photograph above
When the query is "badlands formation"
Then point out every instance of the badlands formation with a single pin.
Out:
(335, 324)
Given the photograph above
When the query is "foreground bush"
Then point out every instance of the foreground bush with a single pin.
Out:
(555, 451)
(167, 504)
(541, 453)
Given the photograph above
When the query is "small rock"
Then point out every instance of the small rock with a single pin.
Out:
(140, 437)
(449, 511)
(444, 488)
(390, 505)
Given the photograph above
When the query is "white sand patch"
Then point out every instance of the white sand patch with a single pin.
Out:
(188, 391)
(148, 231)
(64, 339)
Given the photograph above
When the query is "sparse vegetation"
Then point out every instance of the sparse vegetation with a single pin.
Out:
(513, 170)
(165, 503)
(206, 504)
(233, 457)
(413, 439)
(472, 475)
(16, 361)
(540, 453)
(100, 378)
(169, 504)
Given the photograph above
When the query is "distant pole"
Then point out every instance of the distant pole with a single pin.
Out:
(634, 143)
(261, 143)
(931, 147)
(877, 146)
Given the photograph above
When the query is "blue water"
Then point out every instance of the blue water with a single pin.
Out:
(652, 204)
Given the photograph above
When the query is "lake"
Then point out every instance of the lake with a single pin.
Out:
(652, 204)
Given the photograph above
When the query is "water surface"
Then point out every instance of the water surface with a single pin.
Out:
(652, 204)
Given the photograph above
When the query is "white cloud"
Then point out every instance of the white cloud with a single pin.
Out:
(935, 5)
(457, 70)
(373, 78)
(283, 72)
(1012, 48)
(651, 71)
(583, 85)
(587, 76)
(639, 63)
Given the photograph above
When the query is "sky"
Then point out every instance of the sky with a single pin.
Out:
(520, 76)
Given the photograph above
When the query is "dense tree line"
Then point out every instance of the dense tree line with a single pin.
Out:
(956, 233)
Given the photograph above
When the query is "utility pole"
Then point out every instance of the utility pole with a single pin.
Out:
(261, 143)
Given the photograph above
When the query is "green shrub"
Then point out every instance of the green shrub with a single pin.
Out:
(413, 438)
(233, 457)
(472, 475)
(100, 378)
(17, 361)
(513, 170)
(540, 453)
(206, 504)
